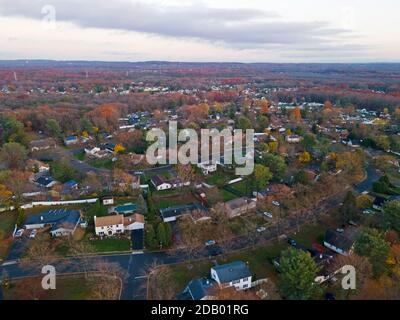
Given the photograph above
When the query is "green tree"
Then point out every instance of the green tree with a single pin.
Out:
(164, 234)
(301, 177)
(13, 155)
(308, 142)
(243, 123)
(151, 239)
(276, 164)
(142, 206)
(297, 277)
(63, 171)
(12, 130)
(20, 217)
(383, 142)
(261, 176)
(371, 243)
(391, 215)
(53, 128)
(349, 210)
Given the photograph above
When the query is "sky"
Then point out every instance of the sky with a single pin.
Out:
(201, 30)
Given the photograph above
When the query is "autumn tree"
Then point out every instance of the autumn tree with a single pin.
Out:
(261, 176)
(13, 155)
(5, 195)
(305, 157)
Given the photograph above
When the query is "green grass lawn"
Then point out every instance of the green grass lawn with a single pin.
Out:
(75, 287)
(218, 178)
(310, 234)
(102, 163)
(109, 245)
(80, 155)
(7, 222)
(226, 195)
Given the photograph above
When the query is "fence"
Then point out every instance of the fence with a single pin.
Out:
(57, 203)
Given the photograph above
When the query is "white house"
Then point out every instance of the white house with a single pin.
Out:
(235, 274)
(293, 138)
(160, 183)
(134, 222)
(117, 224)
(109, 226)
(108, 201)
(207, 168)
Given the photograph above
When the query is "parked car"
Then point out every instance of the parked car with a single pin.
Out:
(268, 214)
(276, 203)
(19, 233)
(261, 229)
(210, 243)
(33, 234)
(340, 230)
(215, 250)
(292, 242)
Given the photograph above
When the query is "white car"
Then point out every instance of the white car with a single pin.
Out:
(268, 214)
(33, 234)
(19, 233)
(210, 243)
(261, 229)
(276, 203)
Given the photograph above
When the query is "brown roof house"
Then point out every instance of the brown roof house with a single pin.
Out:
(43, 144)
(239, 206)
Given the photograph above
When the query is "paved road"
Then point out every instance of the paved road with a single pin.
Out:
(372, 175)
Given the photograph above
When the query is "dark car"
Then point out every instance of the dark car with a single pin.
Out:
(214, 250)
(292, 242)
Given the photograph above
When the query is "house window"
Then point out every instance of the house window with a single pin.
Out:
(245, 286)
(236, 281)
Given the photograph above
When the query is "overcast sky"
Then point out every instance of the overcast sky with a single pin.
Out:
(201, 30)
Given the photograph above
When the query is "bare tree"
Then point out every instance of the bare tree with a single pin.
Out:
(106, 281)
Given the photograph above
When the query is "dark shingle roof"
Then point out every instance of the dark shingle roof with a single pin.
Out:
(338, 240)
(57, 218)
(200, 288)
(232, 271)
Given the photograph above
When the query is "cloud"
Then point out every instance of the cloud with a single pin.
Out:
(241, 28)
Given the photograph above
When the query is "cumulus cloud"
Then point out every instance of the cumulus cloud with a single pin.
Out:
(242, 28)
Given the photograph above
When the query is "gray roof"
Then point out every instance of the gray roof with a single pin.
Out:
(338, 240)
(200, 288)
(177, 211)
(232, 271)
(59, 218)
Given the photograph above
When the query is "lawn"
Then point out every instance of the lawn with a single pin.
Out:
(110, 245)
(7, 222)
(218, 178)
(80, 155)
(74, 287)
(310, 234)
(226, 195)
(102, 163)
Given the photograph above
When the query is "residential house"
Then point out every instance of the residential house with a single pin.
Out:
(62, 222)
(96, 152)
(118, 224)
(107, 201)
(338, 242)
(37, 166)
(109, 226)
(198, 289)
(173, 213)
(43, 144)
(134, 222)
(161, 183)
(207, 168)
(239, 206)
(69, 186)
(293, 138)
(378, 203)
(235, 274)
(45, 181)
(70, 140)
